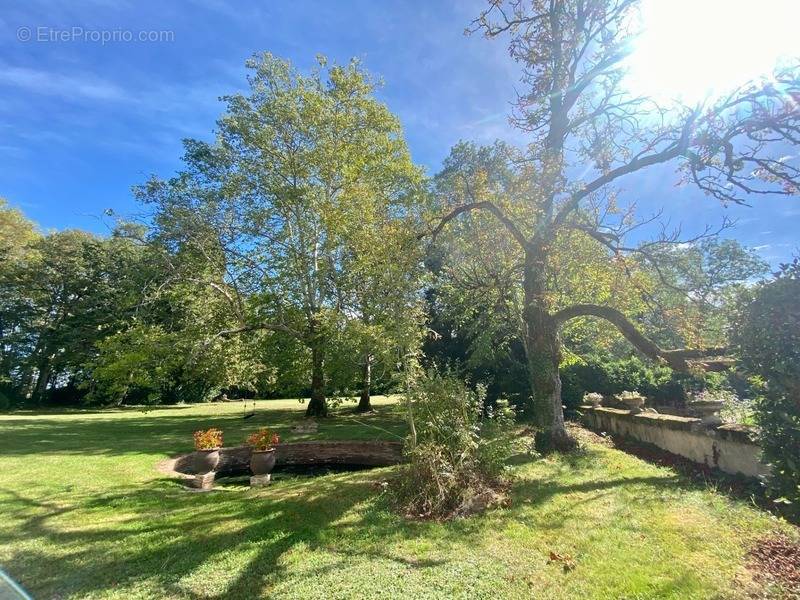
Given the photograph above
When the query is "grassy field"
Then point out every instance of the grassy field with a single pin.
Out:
(85, 514)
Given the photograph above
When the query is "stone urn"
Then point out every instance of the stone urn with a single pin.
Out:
(594, 399)
(708, 411)
(262, 462)
(633, 401)
(206, 461)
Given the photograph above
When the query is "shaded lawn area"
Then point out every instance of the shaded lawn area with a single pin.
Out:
(85, 514)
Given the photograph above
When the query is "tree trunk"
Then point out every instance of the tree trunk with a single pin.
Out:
(317, 407)
(543, 353)
(366, 382)
(41, 382)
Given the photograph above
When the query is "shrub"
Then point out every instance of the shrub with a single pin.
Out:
(263, 439)
(9, 397)
(458, 463)
(5, 402)
(607, 376)
(208, 439)
(768, 344)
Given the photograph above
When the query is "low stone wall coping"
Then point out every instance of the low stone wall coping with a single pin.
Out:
(731, 448)
(743, 434)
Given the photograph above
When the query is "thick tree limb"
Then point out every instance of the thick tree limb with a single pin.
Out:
(676, 359)
(646, 158)
(484, 205)
(262, 326)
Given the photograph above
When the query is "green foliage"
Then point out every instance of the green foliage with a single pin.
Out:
(298, 215)
(476, 297)
(148, 365)
(17, 233)
(768, 343)
(65, 293)
(609, 376)
(460, 450)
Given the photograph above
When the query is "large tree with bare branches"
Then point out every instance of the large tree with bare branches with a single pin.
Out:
(586, 133)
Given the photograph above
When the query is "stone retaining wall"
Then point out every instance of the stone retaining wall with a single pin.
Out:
(729, 448)
(236, 460)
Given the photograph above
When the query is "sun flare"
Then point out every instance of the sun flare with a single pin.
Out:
(694, 49)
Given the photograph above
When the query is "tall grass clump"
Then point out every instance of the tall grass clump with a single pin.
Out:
(458, 453)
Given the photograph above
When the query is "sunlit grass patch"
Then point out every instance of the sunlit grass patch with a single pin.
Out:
(91, 517)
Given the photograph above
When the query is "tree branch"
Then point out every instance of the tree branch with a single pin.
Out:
(676, 359)
(484, 205)
(264, 326)
(676, 148)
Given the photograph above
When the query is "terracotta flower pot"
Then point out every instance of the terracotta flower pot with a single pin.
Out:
(262, 461)
(206, 461)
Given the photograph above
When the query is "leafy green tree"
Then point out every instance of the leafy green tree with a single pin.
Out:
(587, 132)
(767, 339)
(382, 276)
(478, 293)
(17, 236)
(267, 216)
(17, 233)
(67, 292)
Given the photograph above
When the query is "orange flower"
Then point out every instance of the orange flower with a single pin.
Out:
(263, 439)
(208, 439)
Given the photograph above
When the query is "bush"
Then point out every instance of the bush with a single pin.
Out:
(458, 463)
(9, 397)
(768, 344)
(658, 383)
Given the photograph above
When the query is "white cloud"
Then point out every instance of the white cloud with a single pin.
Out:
(59, 84)
(11, 151)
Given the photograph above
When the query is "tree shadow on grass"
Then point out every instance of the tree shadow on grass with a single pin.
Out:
(160, 539)
(171, 434)
(238, 543)
(164, 536)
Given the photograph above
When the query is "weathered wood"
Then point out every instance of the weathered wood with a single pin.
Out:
(236, 460)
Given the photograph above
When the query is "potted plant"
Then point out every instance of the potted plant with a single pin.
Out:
(207, 444)
(593, 398)
(262, 457)
(633, 400)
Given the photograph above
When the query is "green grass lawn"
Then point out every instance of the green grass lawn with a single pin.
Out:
(85, 514)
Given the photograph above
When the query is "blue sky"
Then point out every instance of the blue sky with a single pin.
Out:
(81, 121)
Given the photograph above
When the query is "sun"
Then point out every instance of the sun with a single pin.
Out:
(691, 50)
